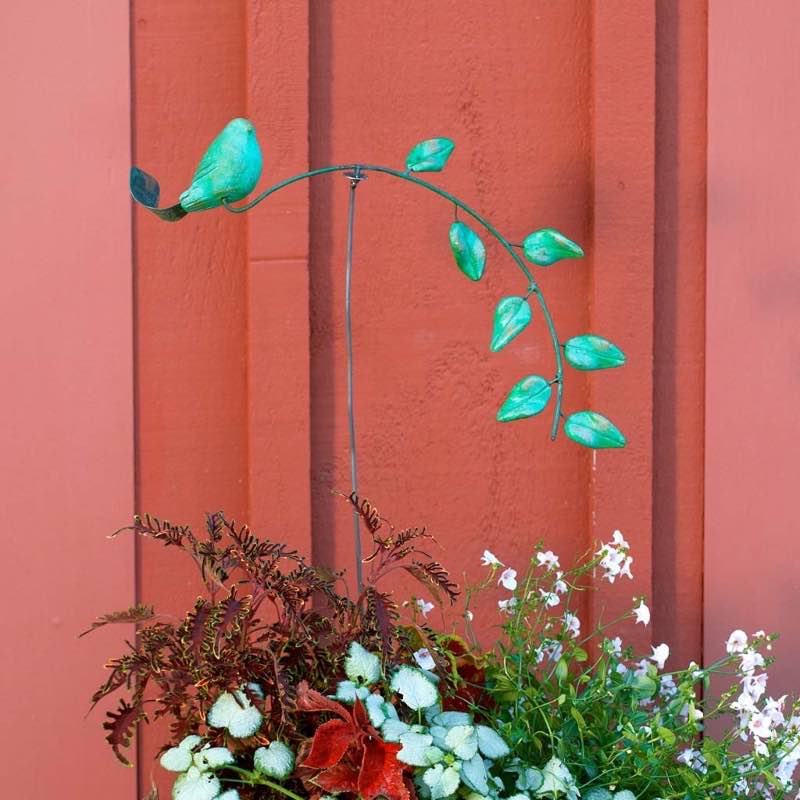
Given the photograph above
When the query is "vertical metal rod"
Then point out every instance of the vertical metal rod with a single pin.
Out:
(355, 178)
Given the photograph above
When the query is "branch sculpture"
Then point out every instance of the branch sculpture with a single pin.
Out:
(231, 168)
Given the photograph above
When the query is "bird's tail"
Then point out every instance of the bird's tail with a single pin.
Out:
(171, 214)
(145, 191)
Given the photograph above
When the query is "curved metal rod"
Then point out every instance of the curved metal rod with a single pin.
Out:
(533, 287)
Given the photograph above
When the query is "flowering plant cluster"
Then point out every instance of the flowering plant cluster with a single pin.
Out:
(275, 683)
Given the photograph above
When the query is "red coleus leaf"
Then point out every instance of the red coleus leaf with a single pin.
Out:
(310, 700)
(381, 772)
(339, 778)
(329, 744)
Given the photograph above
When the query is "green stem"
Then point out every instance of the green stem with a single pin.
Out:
(257, 779)
(533, 287)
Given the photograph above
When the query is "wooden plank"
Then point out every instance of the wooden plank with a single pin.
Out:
(752, 561)
(279, 406)
(189, 81)
(622, 273)
(67, 462)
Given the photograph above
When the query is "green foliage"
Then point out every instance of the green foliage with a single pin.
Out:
(468, 250)
(430, 155)
(546, 246)
(511, 317)
(593, 430)
(591, 352)
(528, 398)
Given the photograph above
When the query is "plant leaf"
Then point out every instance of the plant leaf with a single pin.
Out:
(362, 666)
(468, 250)
(275, 761)
(430, 155)
(593, 430)
(415, 746)
(593, 352)
(137, 613)
(528, 398)
(474, 775)
(329, 744)
(415, 690)
(490, 743)
(546, 246)
(461, 739)
(511, 317)
(120, 726)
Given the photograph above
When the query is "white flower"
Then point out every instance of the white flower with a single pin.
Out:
(488, 559)
(694, 759)
(750, 660)
(616, 646)
(755, 685)
(737, 642)
(572, 624)
(615, 560)
(760, 725)
(668, 687)
(560, 586)
(774, 710)
(424, 658)
(642, 613)
(548, 559)
(660, 655)
(509, 579)
(507, 606)
(425, 608)
(550, 599)
(619, 541)
(641, 668)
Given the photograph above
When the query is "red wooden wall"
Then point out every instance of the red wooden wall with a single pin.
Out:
(215, 346)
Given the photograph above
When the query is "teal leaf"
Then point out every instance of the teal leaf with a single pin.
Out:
(448, 719)
(530, 779)
(528, 398)
(415, 690)
(361, 666)
(597, 793)
(212, 758)
(474, 775)
(196, 785)
(468, 249)
(346, 692)
(374, 705)
(490, 743)
(548, 245)
(625, 794)
(511, 317)
(593, 430)
(593, 352)
(237, 714)
(275, 761)
(430, 155)
(393, 729)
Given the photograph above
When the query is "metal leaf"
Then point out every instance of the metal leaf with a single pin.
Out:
(468, 249)
(511, 317)
(430, 155)
(593, 352)
(548, 245)
(528, 398)
(593, 430)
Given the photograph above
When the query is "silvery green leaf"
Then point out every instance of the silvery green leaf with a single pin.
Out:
(589, 352)
(557, 779)
(393, 729)
(528, 398)
(275, 761)
(441, 781)
(432, 711)
(597, 793)
(389, 711)
(468, 250)
(374, 705)
(231, 794)
(362, 693)
(362, 666)
(177, 759)
(548, 245)
(593, 430)
(490, 743)
(474, 775)
(625, 794)
(196, 785)
(212, 757)
(519, 796)
(237, 714)
(346, 692)
(414, 747)
(433, 755)
(429, 155)
(448, 719)
(439, 733)
(530, 779)
(415, 690)
(255, 689)
(511, 317)
(462, 741)
(190, 742)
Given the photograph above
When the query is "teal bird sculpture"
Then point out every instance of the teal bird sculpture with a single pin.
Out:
(229, 171)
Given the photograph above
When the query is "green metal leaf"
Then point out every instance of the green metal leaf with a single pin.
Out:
(548, 245)
(430, 155)
(468, 249)
(511, 317)
(593, 352)
(593, 430)
(528, 398)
